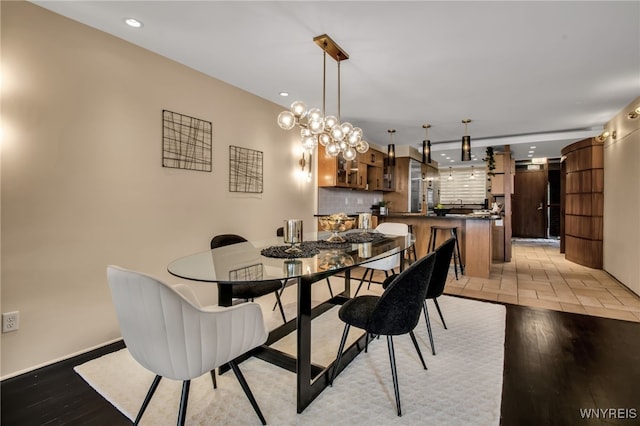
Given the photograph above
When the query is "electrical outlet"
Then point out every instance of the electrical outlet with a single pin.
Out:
(10, 321)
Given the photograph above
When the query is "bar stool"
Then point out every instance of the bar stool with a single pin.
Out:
(457, 258)
(412, 250)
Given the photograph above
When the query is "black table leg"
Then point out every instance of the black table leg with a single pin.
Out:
(303, 367)
(224, 294)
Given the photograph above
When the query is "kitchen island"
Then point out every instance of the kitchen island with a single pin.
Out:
(474, 236)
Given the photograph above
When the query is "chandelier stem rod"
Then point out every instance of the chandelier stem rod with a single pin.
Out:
(339, 119)
(324, 85)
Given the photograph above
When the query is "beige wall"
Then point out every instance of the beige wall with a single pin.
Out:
(83, 186)
(621, 230)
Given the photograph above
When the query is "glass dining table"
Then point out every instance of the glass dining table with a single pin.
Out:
(308, 262)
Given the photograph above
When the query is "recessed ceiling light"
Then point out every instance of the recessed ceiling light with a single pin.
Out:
(532, 147)
(453, 161)
(531, 152)
(284, 94)
(133, 23)
(443, 154)
(529, 155)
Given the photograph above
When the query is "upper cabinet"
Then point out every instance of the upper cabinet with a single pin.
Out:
(366, 172)
(372, 158)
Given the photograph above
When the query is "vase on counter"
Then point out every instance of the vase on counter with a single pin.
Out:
(383, 210)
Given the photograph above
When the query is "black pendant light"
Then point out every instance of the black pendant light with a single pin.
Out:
(391, 149)
(426, 145)
(466, 142)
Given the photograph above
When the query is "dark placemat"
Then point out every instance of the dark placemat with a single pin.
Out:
(311, 248)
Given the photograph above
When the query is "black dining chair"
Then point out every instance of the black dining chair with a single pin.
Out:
(444, 253)
(438, 280)
(251, 289)
(395, 312)
(280, 233)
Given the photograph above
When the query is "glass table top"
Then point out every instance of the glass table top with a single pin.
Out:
(245, 261)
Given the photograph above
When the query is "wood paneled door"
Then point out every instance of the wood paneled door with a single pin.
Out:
(530, 204)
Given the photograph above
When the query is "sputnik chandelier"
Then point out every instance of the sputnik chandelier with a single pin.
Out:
(315, 126)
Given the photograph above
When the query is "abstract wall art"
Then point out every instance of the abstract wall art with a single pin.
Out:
(186, 142)
(245, 170)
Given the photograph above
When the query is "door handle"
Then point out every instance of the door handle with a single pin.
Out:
(540, 206)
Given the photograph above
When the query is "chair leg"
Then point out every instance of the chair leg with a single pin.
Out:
(284, 319)
(281, 291)
(152, 389)
(435, 301)
(213, 378)
(394, 373)
(330, 289)
(364, 277)
(370, 278)
(184, 398)
(426, 318)
(336, 363)
(454, 234)
(415, 344)
(366, 342)
(247, 390)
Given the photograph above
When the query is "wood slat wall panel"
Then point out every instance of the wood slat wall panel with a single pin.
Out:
(587, 227)
(584, 252)
(579, 181)
(584, 202)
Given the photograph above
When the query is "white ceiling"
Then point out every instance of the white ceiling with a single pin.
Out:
(542, 74)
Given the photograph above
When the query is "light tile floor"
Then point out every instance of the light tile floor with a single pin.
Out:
(539, 275)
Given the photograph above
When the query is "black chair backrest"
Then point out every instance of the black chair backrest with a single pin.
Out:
(441, 268)
(398, 310)
(226, 240)
(280, 232)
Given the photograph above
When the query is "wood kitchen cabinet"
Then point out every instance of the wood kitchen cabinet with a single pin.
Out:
(359, 175)
(372, 158)
(388, 177)
(335, 171)
(366, 172)
(375, 178)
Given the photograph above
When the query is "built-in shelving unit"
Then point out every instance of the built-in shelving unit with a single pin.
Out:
(501, 192)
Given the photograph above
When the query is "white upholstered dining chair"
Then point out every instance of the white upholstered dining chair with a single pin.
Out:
(170, 334)
(387, 264)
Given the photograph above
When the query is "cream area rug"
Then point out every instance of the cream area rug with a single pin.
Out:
(462, 386)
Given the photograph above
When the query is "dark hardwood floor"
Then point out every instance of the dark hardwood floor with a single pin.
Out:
(556, 364)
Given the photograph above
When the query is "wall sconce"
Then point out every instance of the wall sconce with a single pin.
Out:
(605, 134)
(302, 162)
(473, 176)
(426, 145)
(466, 142)
(391, 149)
(450, 177)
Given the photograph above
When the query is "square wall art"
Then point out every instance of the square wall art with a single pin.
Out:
(186, 142)
(245, 170)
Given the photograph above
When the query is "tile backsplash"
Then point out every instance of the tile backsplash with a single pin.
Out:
(338, 200)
